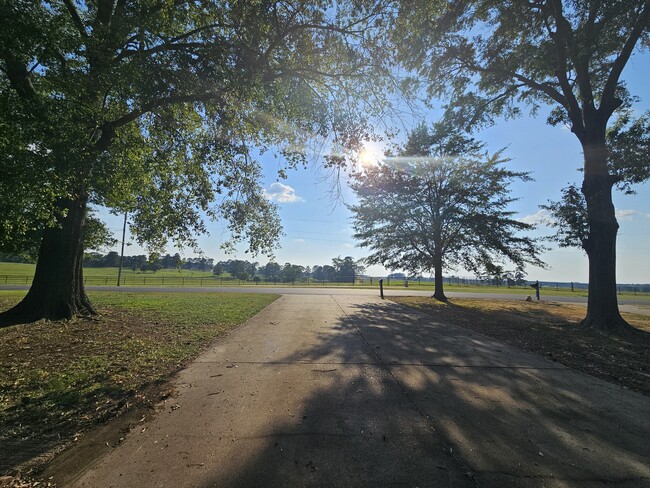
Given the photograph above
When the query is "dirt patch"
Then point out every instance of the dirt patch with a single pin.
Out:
(550, 329)
(61, 380)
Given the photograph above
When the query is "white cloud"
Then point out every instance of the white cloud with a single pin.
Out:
(299, 240)
(278, 192)
(542, 217)
(348, 246)
(626, 214)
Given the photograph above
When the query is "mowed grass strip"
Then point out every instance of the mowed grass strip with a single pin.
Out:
(550, 329)
(59, 378)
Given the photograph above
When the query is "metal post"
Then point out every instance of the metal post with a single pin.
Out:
(381, 288)
(119, 271)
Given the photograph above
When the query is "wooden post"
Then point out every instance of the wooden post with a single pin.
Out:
(381, 288)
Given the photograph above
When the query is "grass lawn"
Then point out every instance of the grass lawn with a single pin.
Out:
(59, 378)
(549, 329)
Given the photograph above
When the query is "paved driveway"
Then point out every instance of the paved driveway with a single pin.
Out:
(345, 391)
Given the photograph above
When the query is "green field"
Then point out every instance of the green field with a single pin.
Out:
(21, 274)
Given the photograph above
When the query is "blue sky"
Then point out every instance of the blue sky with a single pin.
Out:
(317, 230)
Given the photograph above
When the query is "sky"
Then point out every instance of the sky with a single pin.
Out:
(317, 229)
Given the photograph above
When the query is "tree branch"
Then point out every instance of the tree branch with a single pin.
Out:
(76, 19)
(19, 77)
(560, 41)
(608, 101)
(104, 11)
(163, 102)
(566, 35)
(127, 53)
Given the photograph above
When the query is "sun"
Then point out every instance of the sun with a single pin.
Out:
(369, 156)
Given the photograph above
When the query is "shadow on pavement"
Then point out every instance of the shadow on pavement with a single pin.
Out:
(436, 405)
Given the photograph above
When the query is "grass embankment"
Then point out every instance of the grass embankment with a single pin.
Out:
(550, 329)
(59, 378)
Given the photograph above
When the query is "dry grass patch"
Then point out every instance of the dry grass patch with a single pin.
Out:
(550, 329)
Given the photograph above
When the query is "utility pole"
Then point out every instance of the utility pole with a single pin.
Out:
(119, 271)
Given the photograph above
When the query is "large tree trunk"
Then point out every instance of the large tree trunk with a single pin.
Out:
(439, 293)
(602, 306)
(57, 291)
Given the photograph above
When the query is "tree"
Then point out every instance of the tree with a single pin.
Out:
(111, 260)
(569, 217)
(489, 58)
(347, 268)
(440, 204)
(151, 107)
(272, 271)
(324, 273)
(629, 147)
(291, 272)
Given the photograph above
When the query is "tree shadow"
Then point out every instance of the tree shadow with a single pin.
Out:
(620, 358)
(408, 401)
(35, 431)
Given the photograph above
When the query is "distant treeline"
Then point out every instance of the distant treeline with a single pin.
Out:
(341, 270)
(10, 258)
(141, 262)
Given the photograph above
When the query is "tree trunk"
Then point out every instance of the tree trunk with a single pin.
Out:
(439, 293)
(57, 291)
(602, 305)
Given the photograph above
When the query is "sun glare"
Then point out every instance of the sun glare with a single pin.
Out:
(369, 156)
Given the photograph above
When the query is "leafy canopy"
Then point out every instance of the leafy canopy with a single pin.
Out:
(153, 108)
(488, 57)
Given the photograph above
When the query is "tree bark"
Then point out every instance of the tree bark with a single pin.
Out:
(439, 293)
(57, 291)
(602, 305)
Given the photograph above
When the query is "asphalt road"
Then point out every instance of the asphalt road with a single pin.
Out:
(352, 391)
